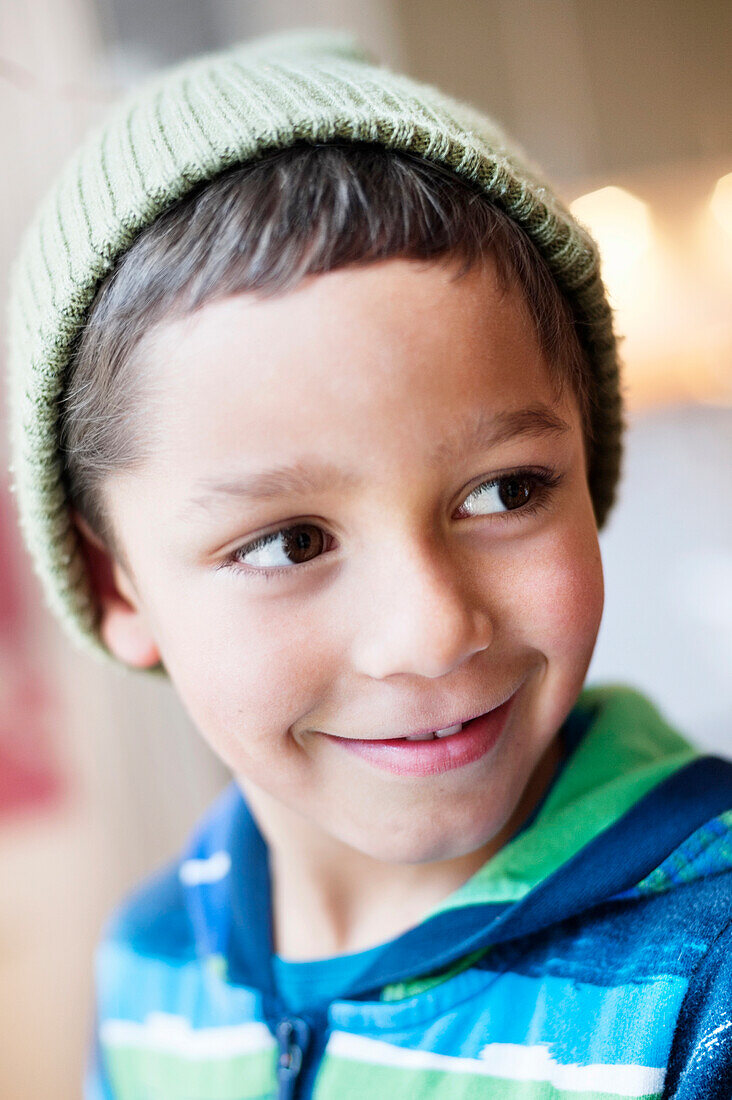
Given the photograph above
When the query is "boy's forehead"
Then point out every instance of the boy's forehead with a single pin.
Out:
(263, 395)
(374, 316)
(479, 431)
(379, 296)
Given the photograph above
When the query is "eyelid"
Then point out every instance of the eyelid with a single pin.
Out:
(547, 477)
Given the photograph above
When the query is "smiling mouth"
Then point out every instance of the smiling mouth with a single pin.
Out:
(427, 754)
(429, 735)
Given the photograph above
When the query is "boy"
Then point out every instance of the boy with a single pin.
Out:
(315, 410)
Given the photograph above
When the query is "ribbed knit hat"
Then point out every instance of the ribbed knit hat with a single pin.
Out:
(188, 124)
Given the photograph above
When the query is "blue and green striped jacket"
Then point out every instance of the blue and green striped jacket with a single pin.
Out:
(590, 959)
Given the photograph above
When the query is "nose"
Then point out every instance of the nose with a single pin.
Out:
(421, 617)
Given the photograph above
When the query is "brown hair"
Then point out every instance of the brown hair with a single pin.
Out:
(263, 227)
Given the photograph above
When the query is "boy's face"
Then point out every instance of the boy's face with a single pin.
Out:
(421, 599)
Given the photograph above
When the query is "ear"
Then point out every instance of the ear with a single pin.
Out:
(122, 622)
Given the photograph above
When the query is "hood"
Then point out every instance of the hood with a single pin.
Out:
(634, 809)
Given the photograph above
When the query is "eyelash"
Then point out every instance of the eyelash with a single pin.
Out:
(544, 481)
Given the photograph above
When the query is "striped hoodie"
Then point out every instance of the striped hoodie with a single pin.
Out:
(589, 959)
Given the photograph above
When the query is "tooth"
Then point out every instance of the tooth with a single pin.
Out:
(448, 730)
(421, 736)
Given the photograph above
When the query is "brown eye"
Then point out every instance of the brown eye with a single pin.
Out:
(303, 542)
(289, 546)
(514, 491)
(508, 493)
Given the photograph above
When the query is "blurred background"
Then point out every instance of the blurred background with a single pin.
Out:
(626, 104)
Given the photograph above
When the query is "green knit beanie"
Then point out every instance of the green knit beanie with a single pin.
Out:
(187, 125)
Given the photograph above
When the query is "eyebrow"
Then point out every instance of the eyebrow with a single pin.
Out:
(479, 432)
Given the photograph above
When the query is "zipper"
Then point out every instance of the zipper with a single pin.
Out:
(293, 1038)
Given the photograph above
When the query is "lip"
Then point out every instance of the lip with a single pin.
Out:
(442, 754)
(440, 726)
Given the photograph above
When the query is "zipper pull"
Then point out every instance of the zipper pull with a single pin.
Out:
(293, 1036)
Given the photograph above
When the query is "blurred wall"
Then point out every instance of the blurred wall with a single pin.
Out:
(589, 87)
(667, 555)
(124, 775)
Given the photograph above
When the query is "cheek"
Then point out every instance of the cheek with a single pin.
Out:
(562, 586)
(578, 595)
(246, 675)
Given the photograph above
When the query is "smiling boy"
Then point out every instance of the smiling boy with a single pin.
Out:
(399, 617)
(351, 511)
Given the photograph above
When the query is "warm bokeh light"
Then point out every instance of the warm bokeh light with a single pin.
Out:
(621, 225)
(721, 202)
(667, 267)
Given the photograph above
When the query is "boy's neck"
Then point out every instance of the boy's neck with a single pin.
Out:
(329, 899)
